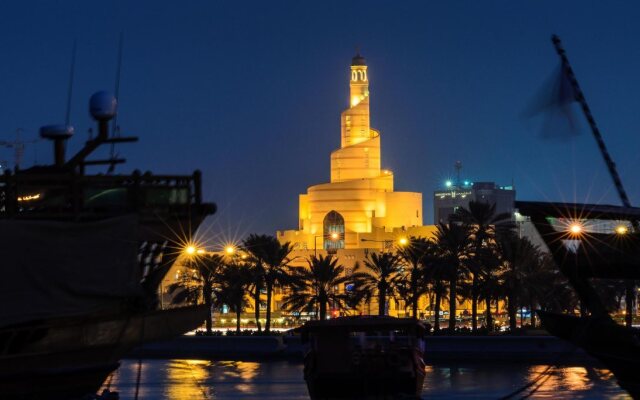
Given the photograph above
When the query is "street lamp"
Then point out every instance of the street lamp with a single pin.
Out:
(575, 229)
(622, 229)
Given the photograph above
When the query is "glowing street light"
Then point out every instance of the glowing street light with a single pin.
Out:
(191, 249)
(403, 241)
(621, 229)
(575, 229)
(334, 236)
(230, 250)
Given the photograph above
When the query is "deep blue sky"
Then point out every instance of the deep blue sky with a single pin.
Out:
(251, 93)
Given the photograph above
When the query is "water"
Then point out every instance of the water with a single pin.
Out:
(197, 379)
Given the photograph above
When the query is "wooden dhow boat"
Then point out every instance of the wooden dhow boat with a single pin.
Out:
(367, 357)
(83, 256)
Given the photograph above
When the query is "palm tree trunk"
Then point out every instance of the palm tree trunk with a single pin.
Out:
(629, 300)
(488, 313)
(323, 310)
(256, 306)
(512, 311)
(414, 292)
(238, 312)
(474, 302)
(533, 316)
(382, 296)
(267, 325)
(436, 321)
(207, 292)
(452, 300)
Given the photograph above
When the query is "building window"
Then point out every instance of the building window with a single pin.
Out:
(333, 225)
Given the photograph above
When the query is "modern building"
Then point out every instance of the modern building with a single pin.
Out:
(359, 206)
(458, 194)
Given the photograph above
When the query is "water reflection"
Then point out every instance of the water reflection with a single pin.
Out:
(187, 379)
(195, 379)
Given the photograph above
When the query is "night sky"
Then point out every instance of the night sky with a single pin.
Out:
(251, 93)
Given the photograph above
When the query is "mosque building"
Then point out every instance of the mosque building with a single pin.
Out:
(358, 211)
(358, 208)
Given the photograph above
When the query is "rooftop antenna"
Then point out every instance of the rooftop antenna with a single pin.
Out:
(71, 75)
(115, 129)
(18, 148)
(60, 133)
(458, 167)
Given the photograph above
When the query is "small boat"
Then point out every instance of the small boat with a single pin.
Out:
(367, 357)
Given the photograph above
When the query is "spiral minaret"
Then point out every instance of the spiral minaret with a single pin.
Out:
(359, 153)
(360, 198)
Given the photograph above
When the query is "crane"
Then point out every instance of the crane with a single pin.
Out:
(18, 146)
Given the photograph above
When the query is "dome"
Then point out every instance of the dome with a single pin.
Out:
(358, 60)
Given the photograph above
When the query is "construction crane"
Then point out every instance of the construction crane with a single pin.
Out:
(18, 146)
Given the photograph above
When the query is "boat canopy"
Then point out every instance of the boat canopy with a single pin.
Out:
(363, 324)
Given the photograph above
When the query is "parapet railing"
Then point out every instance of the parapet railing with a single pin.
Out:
(67, 195)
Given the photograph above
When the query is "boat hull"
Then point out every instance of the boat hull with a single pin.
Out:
(72, 357)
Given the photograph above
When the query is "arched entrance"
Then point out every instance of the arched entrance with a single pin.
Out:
(333, 231)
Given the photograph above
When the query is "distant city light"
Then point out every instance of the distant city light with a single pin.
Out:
(230, 249)
(191, 249)
(200, 251)
(448, 183)
(466, 183)
(403, 241)
(29, 197)
(621, 229)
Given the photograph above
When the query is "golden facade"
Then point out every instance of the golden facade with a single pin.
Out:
(359, 202)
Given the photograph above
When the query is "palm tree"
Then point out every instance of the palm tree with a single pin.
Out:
(276, 259)
(522, 261)
(209, 267)
(203, 274)
(453, 240)
(436, 273)
(254, 245)
(235, 281)
(483, 218)
(382, 277)
(413, 255)
(314, 288)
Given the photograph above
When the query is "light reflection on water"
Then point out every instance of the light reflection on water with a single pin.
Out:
(197, 379)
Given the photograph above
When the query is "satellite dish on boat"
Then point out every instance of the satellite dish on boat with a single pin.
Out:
(58, 131)
(102, 106)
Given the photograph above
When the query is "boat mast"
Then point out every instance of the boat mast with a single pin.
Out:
(611, 166)
(579, 97)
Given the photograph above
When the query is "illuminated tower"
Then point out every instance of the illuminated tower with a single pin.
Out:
(359, 153)
(360, 197)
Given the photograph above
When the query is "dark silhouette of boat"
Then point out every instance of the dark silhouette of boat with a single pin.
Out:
(603, 247)
(364, 357)
(83, 256)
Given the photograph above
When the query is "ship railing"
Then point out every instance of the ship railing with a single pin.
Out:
(63, 195)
